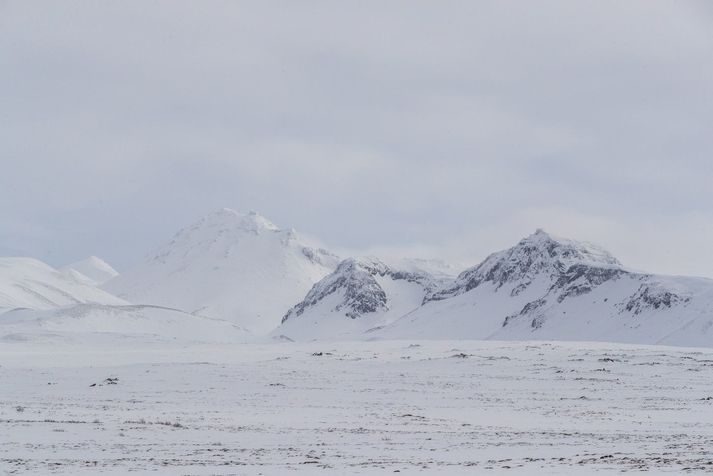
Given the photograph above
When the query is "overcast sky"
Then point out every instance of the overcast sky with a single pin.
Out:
(432, 128)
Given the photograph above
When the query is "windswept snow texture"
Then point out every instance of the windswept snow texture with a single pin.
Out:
(438, 407)
(87, 324)
(552, 288)
(96, 270)
(229, 265)
(29, 283)
(361, 294)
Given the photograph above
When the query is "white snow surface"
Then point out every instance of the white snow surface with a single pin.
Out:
(96, 270)
(30, 283)
(229, 265)
(115, 326)
(416, 407)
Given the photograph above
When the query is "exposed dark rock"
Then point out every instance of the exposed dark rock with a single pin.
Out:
(536, 255)
(361, 292)
(652, 297)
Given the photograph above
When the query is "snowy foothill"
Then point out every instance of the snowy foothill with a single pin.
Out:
(116, 326)
(30, 283)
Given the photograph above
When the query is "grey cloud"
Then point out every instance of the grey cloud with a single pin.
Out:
(451, 126)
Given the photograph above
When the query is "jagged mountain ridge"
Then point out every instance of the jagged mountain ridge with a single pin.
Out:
(552, 288)
(536, 254)
(229, 265)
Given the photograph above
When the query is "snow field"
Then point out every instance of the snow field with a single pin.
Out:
(438, 407)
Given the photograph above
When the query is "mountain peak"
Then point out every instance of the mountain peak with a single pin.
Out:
(216, 234)
(564, 250)
(94, 268)
(539, 254)
(360, 294)
(539, 234)
(228, 218)
(545, 247)
(98, 262)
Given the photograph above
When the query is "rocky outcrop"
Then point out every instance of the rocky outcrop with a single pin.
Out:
(358, 291)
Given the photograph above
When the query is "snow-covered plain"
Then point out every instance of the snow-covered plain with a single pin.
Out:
(437, 407)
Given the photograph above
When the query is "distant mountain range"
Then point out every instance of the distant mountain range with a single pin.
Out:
(233, 271)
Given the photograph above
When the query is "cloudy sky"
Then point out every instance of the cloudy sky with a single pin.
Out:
(433, 128)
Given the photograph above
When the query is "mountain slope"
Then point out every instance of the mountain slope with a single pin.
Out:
(360, 294)
(30, 283)
(228, 265)
(552, 288)
(115, 324)
(95, 269)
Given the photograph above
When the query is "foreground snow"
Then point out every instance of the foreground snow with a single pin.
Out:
(443, 407)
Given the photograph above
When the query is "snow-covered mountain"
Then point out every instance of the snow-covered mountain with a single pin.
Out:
(360, 294)
(96, 270)
(243, 269)
(553, 288)
(234, 266)
(30, 283)
(96, 323)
